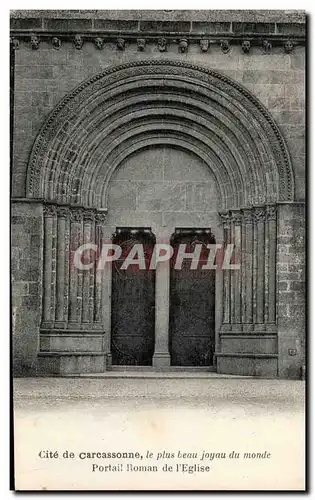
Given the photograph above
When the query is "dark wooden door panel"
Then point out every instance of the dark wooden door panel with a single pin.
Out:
(192, 305)
(133, 299)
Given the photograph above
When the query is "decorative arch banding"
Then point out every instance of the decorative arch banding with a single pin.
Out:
(88, 134)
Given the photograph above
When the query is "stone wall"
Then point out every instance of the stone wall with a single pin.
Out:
(46, 75)
(26, 269)
(291, 262)
(53, 54)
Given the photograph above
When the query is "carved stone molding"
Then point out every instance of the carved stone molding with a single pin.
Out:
(141, 44)
(120, 43)
(267, 46)
(78, 42)
(56, 42)
(183, 45)
(225, 46)
(15, 43)
(162, 44)
(288, 46)
(246, 46)
(99, 43)
(204, 44)
(35, 42)
(163, 71)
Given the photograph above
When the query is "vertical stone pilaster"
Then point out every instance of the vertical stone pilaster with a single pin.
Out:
(161, 357)
(49, 218)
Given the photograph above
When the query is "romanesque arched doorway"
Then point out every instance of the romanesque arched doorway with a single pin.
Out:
(138, 107)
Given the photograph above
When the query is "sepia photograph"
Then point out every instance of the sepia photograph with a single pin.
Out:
(158, 250)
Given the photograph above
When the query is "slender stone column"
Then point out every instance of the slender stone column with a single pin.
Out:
(67, 267)
(62, 250)
(225, 218)
(161, 357)
(100, 219)
(75, 299)
(266, 272)
(254, 274)
(248, 266)
(236, 278)
(271, 222)
(88, 221)
(259, 215)
(49, 216)
(243, 269)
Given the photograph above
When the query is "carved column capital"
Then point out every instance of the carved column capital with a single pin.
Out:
(271, 212)
(225, 219)
(236, 217)
(100, 217)
(50, 210)
(259, 214)
(76, 214)
(63, 212)
(247, 215)
(89, 216)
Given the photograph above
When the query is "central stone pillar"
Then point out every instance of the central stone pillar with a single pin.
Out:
(161, 357)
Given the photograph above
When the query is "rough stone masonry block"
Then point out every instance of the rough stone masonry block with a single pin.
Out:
(291, 290)
(27, 237)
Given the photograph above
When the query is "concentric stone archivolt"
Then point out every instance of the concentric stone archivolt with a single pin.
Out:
(85, 128)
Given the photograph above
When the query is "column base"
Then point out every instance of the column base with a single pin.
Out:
(109, 361)
(161, 360)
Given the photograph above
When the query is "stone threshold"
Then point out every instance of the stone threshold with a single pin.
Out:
(154, 375)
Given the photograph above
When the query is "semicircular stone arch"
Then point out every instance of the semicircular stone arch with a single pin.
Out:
(134, 105)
